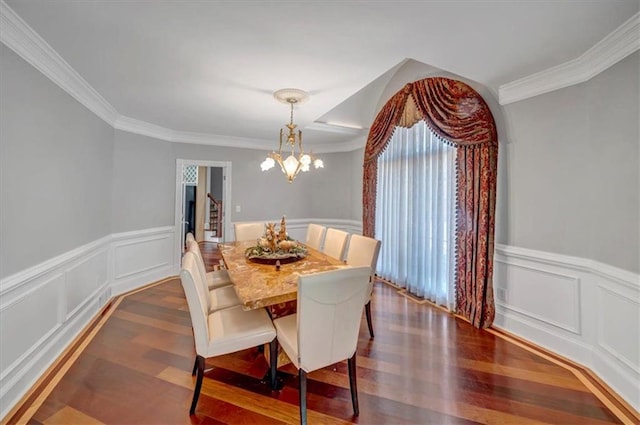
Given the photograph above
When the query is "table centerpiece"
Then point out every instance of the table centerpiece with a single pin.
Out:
(276, 247)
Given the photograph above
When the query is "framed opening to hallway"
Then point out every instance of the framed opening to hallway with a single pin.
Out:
(181, 211)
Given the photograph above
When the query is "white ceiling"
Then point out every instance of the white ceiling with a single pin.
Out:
(211, 67)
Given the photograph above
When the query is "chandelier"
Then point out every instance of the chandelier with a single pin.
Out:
(294, 162)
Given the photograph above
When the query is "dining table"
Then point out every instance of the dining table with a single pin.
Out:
(271, 286)
(267, 285)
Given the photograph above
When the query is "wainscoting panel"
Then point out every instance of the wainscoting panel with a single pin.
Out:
(297, 228)
(516, 295)
(582, 309)
(17, 320)
(43, 308)
(141, 257)
(85, 279)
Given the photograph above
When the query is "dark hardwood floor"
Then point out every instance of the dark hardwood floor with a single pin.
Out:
(425, 366)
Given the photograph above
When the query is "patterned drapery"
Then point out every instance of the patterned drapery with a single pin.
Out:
(460, 116)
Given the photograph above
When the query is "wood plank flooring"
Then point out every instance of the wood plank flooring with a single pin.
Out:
(425, 366)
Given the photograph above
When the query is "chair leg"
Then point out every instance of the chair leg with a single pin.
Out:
(196, 391)
(367, 309)
(353, 384)
(273, 362)
(195, 367)
(302, 376)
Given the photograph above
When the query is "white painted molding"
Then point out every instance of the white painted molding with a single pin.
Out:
(616, 46)
(619, 275)
(16, 34)
(70, 289)
(22, 39)
(335, 128)
(143, 128)
(16, 280)
(603, 301)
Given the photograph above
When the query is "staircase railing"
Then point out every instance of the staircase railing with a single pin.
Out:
(215, 216)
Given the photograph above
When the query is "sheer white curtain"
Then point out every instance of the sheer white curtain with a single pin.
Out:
(415, 213)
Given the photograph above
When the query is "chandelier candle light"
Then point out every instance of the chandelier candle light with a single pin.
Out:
(294, 163)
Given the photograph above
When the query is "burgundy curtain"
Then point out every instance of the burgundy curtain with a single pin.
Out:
(460, 116)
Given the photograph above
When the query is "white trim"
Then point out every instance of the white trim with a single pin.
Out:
(622, 276)
(616, 46)
(94, 262)
(17, 35)
(614, 356)
(23, 277)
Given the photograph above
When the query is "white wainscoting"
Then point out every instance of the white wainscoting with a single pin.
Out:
(581, 309)
(297, 228)
(43, 308)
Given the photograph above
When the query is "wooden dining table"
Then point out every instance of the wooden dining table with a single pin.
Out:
(265, 285)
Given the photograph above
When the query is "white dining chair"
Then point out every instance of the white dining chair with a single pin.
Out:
(248, 231)
(315, 235)
(363, 251)
(334, 243)
(217, 298)
(325, 328)
(224, 331)
(216, 278)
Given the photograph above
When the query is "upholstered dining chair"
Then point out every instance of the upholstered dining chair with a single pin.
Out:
(216, 278)
(217, 298)
(325, 328)
(363, 251)
(248, 231)
(224, 331)
(334, 243)
(315, 235)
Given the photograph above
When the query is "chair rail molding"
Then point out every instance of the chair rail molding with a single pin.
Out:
(68, 291)
(297, 227)
(594, 318)
(616, 46)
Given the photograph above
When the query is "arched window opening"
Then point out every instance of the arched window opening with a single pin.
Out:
(458, 115)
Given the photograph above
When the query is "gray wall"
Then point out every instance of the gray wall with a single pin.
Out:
(357, 160)
(144, 184)
(55, 169)
(573, 182)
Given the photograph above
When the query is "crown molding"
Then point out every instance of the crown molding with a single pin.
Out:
(335, 128)
(616, 46)
(132, 125)
(17, 35)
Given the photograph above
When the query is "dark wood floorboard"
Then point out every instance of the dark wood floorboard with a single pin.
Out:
(424, 366)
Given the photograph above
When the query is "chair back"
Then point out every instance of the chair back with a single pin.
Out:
(194, 248)
(248, 231)
(189, 237)
(196, 300)
(329, 314)
(315, 234)
(363, 251)
(334, 243)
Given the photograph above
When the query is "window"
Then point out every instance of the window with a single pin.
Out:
(415, 213)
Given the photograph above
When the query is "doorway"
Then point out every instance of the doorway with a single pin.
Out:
(203, 196)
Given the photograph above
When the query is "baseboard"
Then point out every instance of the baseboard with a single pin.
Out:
(67, 292)
(579, 308)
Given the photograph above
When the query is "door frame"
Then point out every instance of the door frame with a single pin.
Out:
(179, 208)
